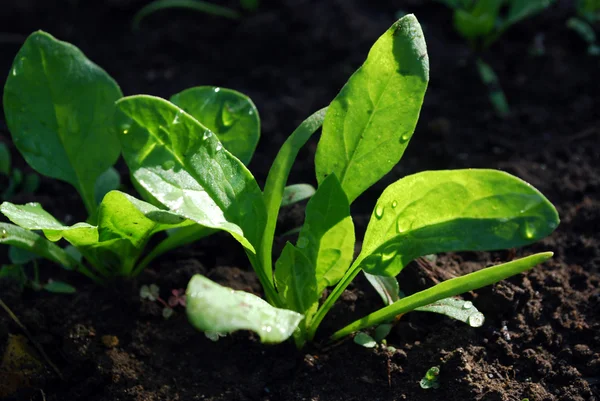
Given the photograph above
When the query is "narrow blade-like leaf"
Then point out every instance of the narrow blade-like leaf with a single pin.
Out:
(370, 122)
(60, 110)
(216, 309)
(448, 288)
(229, 114)
(277, 178)
(454, 210)
(184, 166)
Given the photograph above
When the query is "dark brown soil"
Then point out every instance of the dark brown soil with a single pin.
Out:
(541, 339)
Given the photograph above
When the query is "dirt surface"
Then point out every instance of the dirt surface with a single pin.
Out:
(541, 338)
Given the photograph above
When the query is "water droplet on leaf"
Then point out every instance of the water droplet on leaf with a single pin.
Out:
(404, 138)
(379, 211)
(476, 319)
(217, 90)
(394, 204)
(467, 305)
(206, 135)
(219, 146)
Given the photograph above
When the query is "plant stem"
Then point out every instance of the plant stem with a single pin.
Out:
(335, 294)
(448, 288)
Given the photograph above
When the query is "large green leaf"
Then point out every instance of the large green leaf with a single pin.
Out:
(454, 210)
(213, 308)
(124, 226)
(183, 165)
(229, 114)
(327, 236)
(370, 122)
(60, 108)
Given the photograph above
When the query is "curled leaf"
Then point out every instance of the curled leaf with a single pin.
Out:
(213, 308)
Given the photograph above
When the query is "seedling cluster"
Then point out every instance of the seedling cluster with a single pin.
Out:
(187, 159)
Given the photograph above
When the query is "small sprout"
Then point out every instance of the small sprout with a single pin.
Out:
(365, 340)
(177, 298)
(214, 336)
(150, 293)
(431, 378)
(167, 312)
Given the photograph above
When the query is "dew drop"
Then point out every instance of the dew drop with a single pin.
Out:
(267, 328)
(394, 204)
(250, 112)
(400, 227)
(219, 146)
(217, 90)
(379, 211)
(404, 138)
(467, 305)
(206, 135)
(476, 319)
(3, 233)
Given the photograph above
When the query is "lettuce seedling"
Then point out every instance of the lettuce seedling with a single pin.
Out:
(60, 109)
(366, 129)
(481, 23)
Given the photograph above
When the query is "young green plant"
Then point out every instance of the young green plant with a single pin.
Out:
(366, 129)
(60, 110)
(481, 23)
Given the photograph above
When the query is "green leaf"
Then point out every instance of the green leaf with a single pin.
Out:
(194, 5)
(521, 9)
(296, 281)
(124, 226)
(28, 240)
(387, 287)
(229, 114)
(108, 181)
(217, 309)
(455, 308)
(59, 108)
(20, 256)
(365, 340)
(327, 236)
(5, 161)
(448, 288)
(478, 21)
(453, 210)
(370, 122)
(296, 193)
(185, 167)
(59, 287)
(277, 178)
